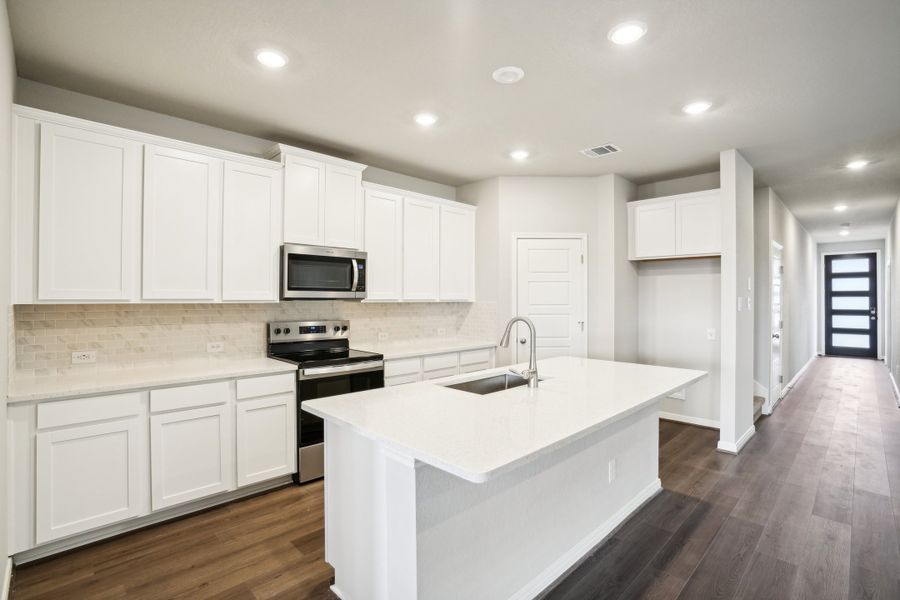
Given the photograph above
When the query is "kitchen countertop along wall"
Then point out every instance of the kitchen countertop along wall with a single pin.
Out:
(129, 336)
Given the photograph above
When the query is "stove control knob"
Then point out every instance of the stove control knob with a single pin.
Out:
(343, 328)
(287, 330)
(337, 328)
(277, 331)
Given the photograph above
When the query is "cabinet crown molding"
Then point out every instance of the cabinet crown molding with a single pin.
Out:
(280, 151)
(378, 187)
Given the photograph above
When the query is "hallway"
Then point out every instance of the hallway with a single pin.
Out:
(810, 508)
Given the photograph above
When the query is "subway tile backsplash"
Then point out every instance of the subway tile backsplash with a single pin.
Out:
(134, 335)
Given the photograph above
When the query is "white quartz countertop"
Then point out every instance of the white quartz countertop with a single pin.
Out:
(424, 346)
(477, 437)
(102, 382)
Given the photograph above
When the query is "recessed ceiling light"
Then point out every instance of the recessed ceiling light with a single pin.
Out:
(627, 33)
(695, 108)
(508, 74)
(857, 164)
(272, 59)
(845, 232)
(519, 154)
(845, 229)
(426, 119)
(840, 207)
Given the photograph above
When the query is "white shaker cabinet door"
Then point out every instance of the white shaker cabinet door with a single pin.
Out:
(698, 224)
(654, 229)
(251, 229)
(88, 476)
(191, 455)
(457, 280)
(421, 223)
(304, 201)
(182, 211)
(89, 215)
(384, 245)
(343, 207)
(266, 438)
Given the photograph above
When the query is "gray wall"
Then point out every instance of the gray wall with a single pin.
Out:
(46, 97)
(7, 85)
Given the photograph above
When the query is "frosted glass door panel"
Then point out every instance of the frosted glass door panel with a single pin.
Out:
(850, 303)
(850, 322)
(849, 340)
(850, 284)
(850, 265)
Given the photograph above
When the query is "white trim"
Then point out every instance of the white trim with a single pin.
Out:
(514, 260)
(770, 402)
(895, 388)
(337, 592)
(711, 423)
(585, 547)
(760, 390)
(380, 187)
(785, 389)
(7, 579)
(735, 448)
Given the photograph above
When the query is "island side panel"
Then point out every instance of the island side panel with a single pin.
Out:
(513, 535)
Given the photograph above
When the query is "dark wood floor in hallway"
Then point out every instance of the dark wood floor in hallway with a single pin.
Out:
(810, 509)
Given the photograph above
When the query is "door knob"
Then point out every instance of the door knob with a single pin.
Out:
(776, 336)
(522, 340)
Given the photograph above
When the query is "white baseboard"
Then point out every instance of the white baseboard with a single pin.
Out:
(336, 591)
(582, 549)
(689, 420)
(736, 447)
(896, 389)
(797, 376)
(7, 579)
(760, 390)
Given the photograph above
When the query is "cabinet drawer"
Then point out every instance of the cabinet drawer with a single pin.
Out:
(403, 366)
(255, 387)
(471, 357)
(86, 410)
(440, 362)
(437, 374)
(471, 368)
(189, 396)
(401, 379)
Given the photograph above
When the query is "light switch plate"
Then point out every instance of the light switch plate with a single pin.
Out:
(382, 336)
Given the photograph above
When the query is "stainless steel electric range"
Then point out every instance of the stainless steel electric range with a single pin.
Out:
(327, 366)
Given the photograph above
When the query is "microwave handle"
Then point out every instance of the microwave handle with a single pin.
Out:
(355, 275)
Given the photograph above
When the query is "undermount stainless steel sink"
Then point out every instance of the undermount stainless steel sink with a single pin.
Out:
(489, 385)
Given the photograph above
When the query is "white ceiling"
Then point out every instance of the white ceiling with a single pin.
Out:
(801, 87)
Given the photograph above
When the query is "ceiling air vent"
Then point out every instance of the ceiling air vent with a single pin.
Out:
(601, 150)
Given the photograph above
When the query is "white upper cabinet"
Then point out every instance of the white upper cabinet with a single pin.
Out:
(323, 203)
(675, 226)
(421, 249)
(182, 206)
(384, 245)
(251, 232)
(343, 207)
(304, 199)
(89, 221)
(698, 224)
(457, 252)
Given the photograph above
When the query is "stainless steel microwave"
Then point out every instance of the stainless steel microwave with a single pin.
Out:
(322, 273)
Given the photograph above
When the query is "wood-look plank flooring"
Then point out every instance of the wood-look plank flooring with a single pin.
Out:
(809, 509)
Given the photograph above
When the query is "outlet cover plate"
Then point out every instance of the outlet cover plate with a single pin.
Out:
(213, 347)
(83, 357)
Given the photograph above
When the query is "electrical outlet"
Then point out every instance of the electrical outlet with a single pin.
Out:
(382, 336)
(441, 331)
(84, 357)
(612, 470)
(213, 347)
(711, 333)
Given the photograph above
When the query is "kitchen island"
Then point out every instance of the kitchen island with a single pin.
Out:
(432, 492)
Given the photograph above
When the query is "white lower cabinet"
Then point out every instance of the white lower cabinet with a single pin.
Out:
(88, 476)
(191, 455)
(266, 438)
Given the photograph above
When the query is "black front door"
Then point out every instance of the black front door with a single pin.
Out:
(851, 305)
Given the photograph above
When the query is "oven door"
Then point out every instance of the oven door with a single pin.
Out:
(316, 272)
(321, 383)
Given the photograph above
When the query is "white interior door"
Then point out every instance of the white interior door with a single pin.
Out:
(550, 289)
(775, 369)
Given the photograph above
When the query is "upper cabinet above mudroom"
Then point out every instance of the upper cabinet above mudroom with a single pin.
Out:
(323, 198)
(686, 225)
(104, 214)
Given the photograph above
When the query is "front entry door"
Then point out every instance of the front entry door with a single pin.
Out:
(550, 282)
(851, 305)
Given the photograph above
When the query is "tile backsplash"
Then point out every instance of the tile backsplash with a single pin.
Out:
(133, 335)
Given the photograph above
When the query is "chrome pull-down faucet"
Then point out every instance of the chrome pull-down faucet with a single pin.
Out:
(531, 373)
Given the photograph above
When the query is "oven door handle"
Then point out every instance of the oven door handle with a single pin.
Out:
(355, 275)
(320, 372)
